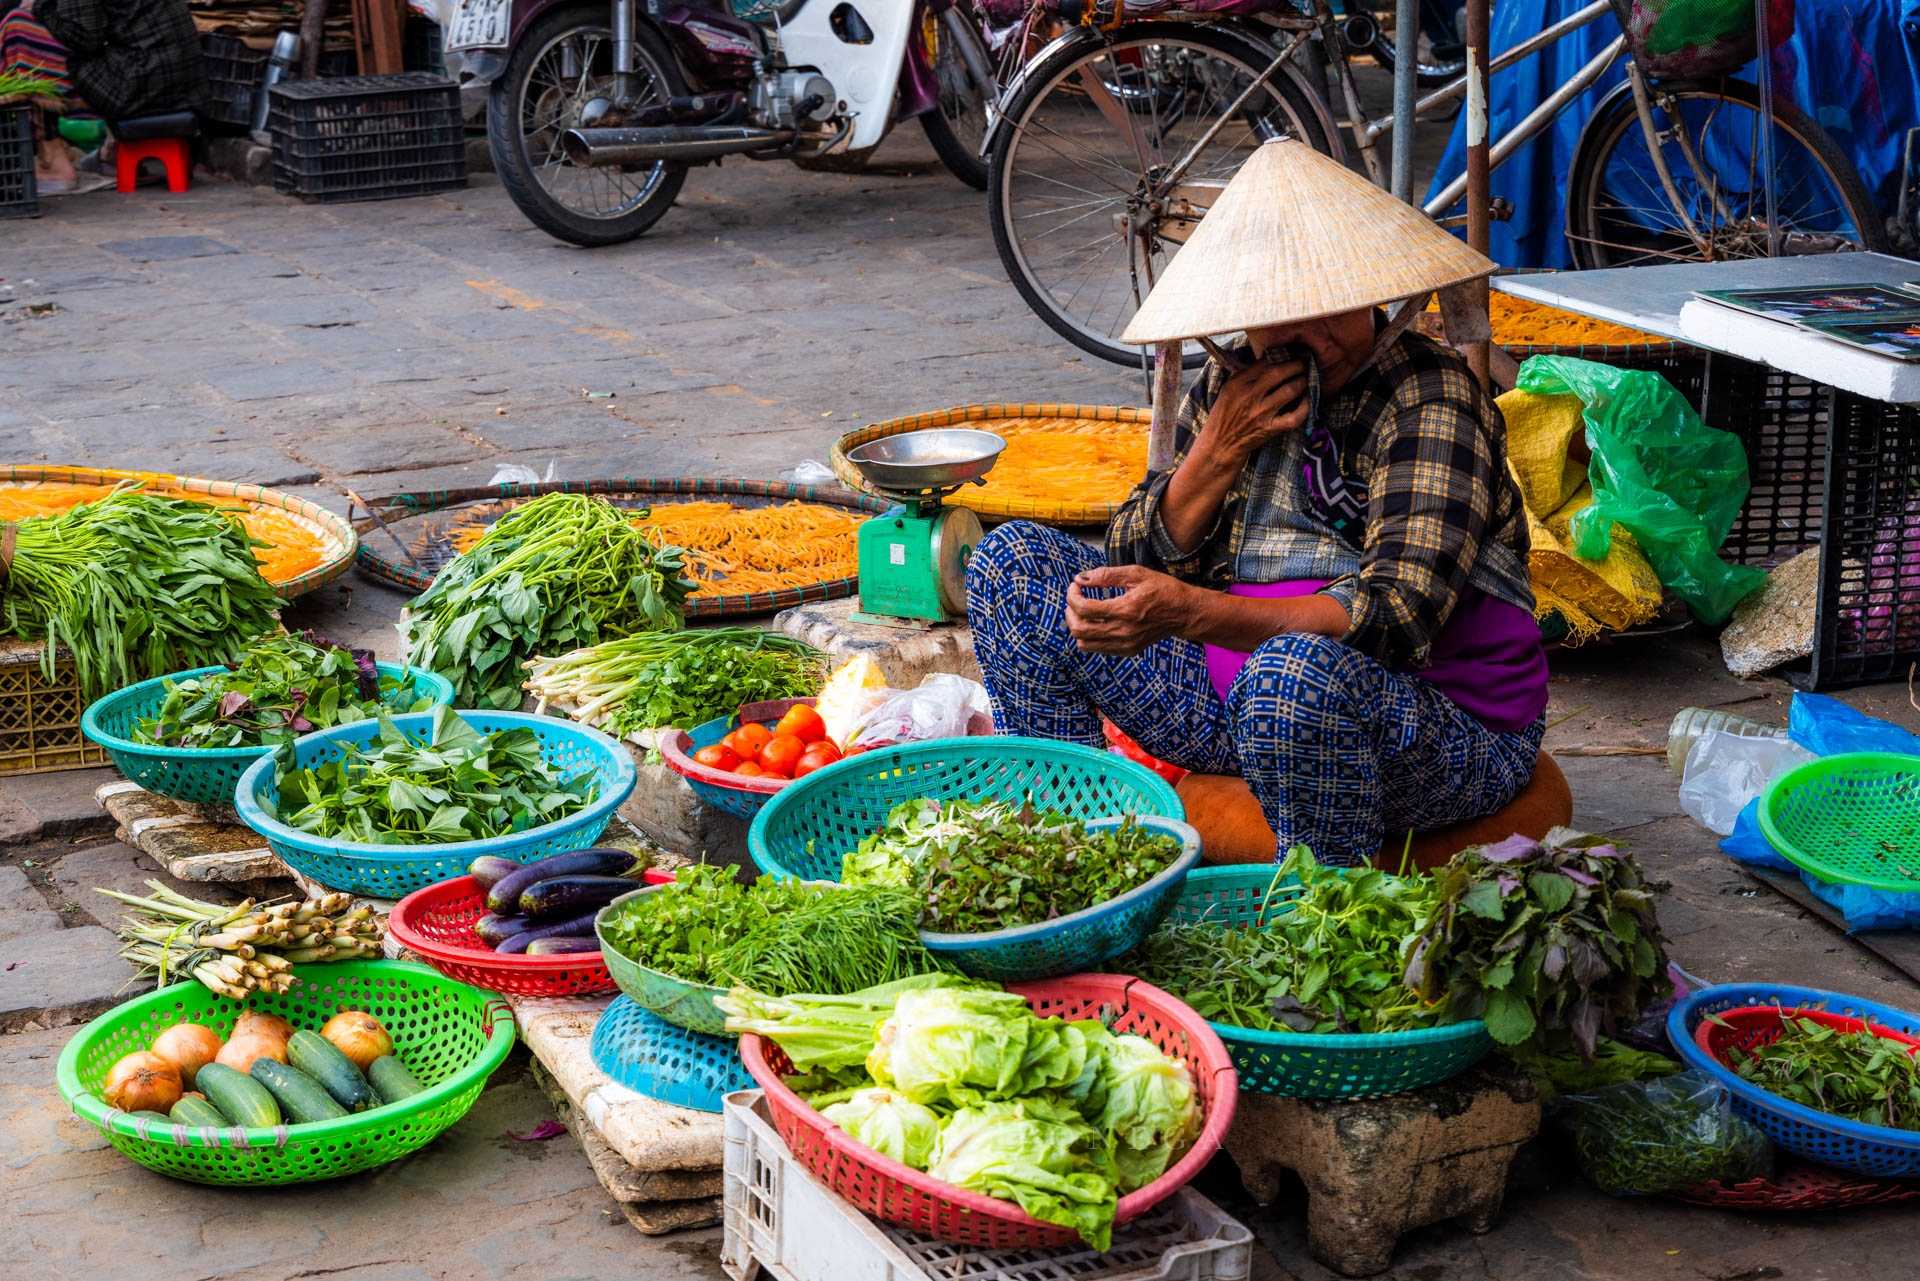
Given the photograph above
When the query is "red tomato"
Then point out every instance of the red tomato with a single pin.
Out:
(748, 740)
(782, 753)
(719, 756)
(767, 771)
(803, 723)
(827, 751)
(809, 763)
(748, 769)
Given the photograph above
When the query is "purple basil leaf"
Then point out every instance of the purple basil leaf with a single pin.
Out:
(1555, 961)
(1508, 883)
(1604, 851)
(232, 704)
(1579, 877)
(299, 724)
(1511, 850)
(369, 674)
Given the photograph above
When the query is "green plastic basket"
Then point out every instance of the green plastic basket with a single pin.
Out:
(1852, 818)
(1319, 1065)
(449, 1035)
(683, 1004)
(204, 775)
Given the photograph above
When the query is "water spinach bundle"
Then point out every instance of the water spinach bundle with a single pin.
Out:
(556, 574)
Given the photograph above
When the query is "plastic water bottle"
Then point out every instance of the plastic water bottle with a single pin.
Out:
(1691, 723)
(286, 47)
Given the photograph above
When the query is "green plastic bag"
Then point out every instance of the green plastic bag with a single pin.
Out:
(1658, 472)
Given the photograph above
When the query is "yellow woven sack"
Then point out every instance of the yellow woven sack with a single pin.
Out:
(1543, 433)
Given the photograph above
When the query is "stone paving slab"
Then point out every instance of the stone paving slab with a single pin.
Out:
(53, 978)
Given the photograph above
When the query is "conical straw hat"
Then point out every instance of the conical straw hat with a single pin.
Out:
(1297, 235)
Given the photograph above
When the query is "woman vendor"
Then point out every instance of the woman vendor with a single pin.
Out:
(1326, 592)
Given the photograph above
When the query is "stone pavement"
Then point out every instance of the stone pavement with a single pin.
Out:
(228, 333)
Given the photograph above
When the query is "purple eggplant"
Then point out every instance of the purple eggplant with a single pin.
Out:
(572, 927)
(489, 868)
(562, 945)
(572, 895)
(494, 930)
(518, 943)
(506, 891)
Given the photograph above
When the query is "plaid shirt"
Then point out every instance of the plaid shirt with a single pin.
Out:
(129, 57)
(1426, 445)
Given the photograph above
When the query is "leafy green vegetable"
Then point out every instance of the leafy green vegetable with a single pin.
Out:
(1327, 959)
(825, 1033)
(1855, 1075)
(964, 1045)
(281, 687)
(459, 785)
(777, 936)
(1041, 1156)
(992, 865)
(555, 574)
(1647, 1137)
(135, 585)
(1148, 1105)
(652, 679)
(889, 1123)
(1613, 1063)
(1551, 943)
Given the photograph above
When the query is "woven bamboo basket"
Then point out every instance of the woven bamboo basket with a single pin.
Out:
(1011, 421)
(335, 536)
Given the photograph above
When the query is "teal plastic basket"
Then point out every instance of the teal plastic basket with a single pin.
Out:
(394, 871)
(642, 1051)
(1319, 1065)
(810, 823)
(205, 775)
(1853, 818)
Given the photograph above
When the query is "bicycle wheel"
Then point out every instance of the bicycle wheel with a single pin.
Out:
(957, 127)
(1619, 213)
(1081, 214)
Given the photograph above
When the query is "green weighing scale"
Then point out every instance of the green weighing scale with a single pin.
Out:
(913, 556)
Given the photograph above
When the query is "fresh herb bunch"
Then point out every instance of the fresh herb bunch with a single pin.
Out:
(992, 865)
(555, 574)
(282, 687)
(1325, 956)
(653, 679)
(1548, 942)
(134, 585)
(1855, 1075)
(459, 785)
(775, 936)
(1644, 1138)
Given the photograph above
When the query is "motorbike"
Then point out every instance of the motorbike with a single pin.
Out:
(597, 108)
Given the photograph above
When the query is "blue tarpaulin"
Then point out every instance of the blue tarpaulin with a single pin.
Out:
(1853, 65)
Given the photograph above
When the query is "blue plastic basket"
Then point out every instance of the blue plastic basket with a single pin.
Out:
(1083, 941)
(1319, 1065)
(810, 823)
(205, 775)
(650, 1056)
(1818, 1136)
(393, 871)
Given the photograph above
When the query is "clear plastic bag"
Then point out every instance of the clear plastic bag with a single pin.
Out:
(942, 707)
(1658, 472)
(1648, 1137)
(1727, 770)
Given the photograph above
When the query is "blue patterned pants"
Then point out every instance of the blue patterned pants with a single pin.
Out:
(1338, 749)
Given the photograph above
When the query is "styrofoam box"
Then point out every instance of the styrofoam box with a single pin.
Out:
(781, 1222)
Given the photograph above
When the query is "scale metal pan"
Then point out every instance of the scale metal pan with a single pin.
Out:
(937, 458)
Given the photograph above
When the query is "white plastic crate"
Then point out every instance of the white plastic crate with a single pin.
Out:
(782, 1224)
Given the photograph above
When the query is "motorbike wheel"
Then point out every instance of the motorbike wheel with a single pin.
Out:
(957, 127)
(561, 63)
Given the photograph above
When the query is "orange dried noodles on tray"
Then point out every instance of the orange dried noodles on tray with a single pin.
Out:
(292, 548)
(1047, 465)
(734, 551)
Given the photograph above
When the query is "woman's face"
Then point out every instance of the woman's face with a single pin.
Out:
(1340, 343)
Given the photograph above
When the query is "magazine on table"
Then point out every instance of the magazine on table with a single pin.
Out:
(1873, 318)
(1890, 336)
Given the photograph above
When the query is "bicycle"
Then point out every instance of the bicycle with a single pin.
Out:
(1665, 170)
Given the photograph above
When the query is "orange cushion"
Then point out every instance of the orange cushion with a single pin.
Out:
(1233, 830)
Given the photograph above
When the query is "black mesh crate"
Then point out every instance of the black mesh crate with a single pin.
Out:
(1782, 419)
(19, 196)
(233, 72)
(1868, 624)
(421, 48)
(367, 137)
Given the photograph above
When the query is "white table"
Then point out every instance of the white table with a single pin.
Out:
(1832, 437)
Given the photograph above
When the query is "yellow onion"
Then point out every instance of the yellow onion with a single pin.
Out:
(189, 1047)
(359, 1036)
(257, 1024)
(244, 1048)
(142, 1082)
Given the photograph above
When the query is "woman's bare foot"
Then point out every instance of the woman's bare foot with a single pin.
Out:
(53, 163)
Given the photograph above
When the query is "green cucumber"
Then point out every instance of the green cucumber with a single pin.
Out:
(299, 1095)
(148, 1114)
(240, 1098)
(198, 1112)
(391, 1080)
(322, 1060)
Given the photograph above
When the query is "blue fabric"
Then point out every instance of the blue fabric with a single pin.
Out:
(1853, 65)
(1827, 727)
(1338, 749)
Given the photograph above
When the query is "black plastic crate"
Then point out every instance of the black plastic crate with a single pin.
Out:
(1868, 624)
(422, 47)
(1782, 419)
(367, 137)
(233, 72)
(19, 195)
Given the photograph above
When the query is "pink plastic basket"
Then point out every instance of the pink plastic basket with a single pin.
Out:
(898, 1194)
(437, 923)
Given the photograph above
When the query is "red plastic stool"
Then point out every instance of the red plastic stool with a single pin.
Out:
(166, 138)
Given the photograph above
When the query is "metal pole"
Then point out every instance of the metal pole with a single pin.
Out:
(1406, 57)
(1478, 192)
(1766, 124)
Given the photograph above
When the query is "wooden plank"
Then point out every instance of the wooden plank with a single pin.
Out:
(1898, 948)
(384, 24)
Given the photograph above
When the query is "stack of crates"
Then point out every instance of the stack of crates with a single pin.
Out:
(19, 196)
(367, 137)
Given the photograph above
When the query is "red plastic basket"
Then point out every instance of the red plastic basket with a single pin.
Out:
(1801, 1185)
(1751, 1026)
(437, 923)
(898, 1194)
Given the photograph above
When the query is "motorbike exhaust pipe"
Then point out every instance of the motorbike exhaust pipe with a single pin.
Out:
(675, 144)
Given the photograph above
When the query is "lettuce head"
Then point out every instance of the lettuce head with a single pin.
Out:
(1148, 1106)
(889, 1123)
(1037, 1154)
(963, 1046)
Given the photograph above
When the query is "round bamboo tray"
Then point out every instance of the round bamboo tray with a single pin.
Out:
(334, 535)
(1011, 421)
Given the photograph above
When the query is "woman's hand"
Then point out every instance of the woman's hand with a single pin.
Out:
(1152, 606)
(1264, 401)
